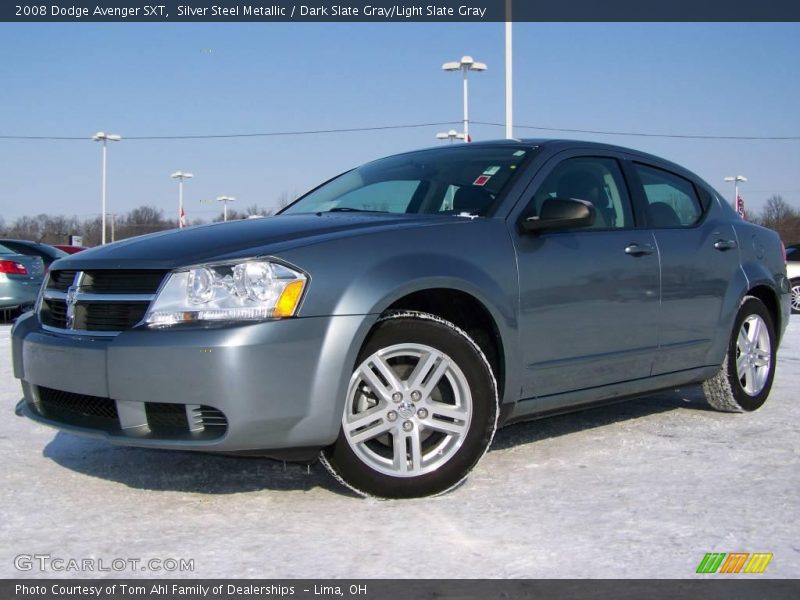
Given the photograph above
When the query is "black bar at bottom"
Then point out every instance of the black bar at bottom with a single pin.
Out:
(730, 588)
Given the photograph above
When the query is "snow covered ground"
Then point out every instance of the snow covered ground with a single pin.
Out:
(642, 489)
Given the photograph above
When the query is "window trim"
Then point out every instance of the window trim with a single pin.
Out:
(642, 194)
(552, 164)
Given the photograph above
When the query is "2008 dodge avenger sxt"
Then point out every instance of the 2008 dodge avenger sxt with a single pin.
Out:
(392, 318)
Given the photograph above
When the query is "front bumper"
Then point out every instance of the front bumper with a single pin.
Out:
(279, 384)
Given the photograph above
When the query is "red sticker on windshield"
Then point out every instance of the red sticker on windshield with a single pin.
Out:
(482, 180)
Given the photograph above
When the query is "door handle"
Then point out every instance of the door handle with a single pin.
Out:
(638, 250)
(725, 245)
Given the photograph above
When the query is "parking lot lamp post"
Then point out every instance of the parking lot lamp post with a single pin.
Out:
(450, 135)
(101, 136)
(466, 64)
(225, 201)
(736, 181)
(180, 176)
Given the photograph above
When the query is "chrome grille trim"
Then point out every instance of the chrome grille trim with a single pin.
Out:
(70, 306)
(95, 297)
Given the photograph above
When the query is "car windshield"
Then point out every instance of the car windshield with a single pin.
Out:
(5, 250)
(461, 179)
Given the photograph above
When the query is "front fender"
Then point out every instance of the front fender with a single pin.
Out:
(366, 274)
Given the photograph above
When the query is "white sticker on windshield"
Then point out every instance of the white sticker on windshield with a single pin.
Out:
(519, 152)
(491, 171)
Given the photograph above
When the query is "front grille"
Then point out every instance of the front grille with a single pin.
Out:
(109, 308)
(61, 280)
(109, 316)
(121, 282)
(54, 313)
(78, 409)
(94, 316)
(164, 420)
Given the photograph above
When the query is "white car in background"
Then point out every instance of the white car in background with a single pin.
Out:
(793, 273)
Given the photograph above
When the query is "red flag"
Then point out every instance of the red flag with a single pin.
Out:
(182, 219)
(740, 206)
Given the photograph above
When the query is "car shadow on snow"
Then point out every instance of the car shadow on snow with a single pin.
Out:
(184, 471)
(178, 471)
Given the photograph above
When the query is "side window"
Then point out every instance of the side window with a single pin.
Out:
(594, 179)
(672, 200)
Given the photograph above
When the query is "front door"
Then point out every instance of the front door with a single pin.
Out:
(589, 297)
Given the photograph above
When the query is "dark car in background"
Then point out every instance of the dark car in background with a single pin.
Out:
(47, 253)
(793, 272)
(391, 319)
(69, 249)
(21, 277)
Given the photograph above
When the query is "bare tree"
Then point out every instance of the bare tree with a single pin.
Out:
(285, 199)
(142, 220)
(233, 215)
(782, 217)
(254, 210)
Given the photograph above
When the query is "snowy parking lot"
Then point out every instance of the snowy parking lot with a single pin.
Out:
(642, 489)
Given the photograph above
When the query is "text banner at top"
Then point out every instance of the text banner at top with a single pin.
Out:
(392, 11)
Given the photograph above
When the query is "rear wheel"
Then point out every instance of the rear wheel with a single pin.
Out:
(745, 379)
(421, 410)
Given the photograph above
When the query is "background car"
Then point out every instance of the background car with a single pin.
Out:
(20, 279)
(69, 249)
(793, 273)
(47, 253)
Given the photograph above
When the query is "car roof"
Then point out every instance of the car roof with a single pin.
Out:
(559, 144)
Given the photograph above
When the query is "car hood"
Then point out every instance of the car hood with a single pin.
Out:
(239, 239)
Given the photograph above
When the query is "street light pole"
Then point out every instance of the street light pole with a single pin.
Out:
(466, 64)
(450, 135)
(736, 181)
(225, 201)
(101, 136)
(509, 76)
(180, 176)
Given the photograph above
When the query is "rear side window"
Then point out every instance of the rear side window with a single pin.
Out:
(671, 200)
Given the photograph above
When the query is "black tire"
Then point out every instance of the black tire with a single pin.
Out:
(726, 391)
(353, 464)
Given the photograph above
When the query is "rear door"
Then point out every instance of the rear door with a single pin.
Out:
(589, 297)
(699, 257)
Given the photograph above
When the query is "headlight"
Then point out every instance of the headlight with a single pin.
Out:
(245, 291)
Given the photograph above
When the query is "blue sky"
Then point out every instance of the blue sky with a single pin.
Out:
(183, 79)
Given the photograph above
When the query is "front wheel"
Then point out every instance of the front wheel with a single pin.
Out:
(745, 379)
(421, 410)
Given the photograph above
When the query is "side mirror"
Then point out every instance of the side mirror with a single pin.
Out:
(561, 213)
